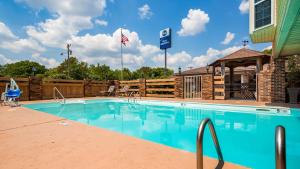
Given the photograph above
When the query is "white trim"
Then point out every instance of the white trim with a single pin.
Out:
(252, 15)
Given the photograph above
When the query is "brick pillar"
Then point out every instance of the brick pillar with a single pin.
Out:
(271, 83)
(264, 86)
(278, 81)
(178, 87)
(207, 87)
(142, 87)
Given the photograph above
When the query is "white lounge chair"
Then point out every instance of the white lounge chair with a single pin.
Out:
(110, 90)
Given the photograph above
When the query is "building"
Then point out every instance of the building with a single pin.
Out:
(235, 76)
(278, 22)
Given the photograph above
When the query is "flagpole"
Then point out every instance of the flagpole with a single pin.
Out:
(121, 56)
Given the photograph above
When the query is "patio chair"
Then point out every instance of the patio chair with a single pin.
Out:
(110, 90)
(124, 91)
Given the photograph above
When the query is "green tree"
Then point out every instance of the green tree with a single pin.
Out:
(160, 73)
(143, 72)
(78, 70)
(152, 73)
(55, 74)
(293, 74)
(1, 70)
(23, 69)
(102, 72)
(267, 52)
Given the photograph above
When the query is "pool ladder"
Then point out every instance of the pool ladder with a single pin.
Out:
(55, 90)
(132, 97)
(200, 136)
(280, 146)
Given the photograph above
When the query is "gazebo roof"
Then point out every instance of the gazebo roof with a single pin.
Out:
(196, 71)
(242, 57)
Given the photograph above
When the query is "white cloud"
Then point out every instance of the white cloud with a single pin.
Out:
(105, 49)
(22, 45)
(268, 48)
(56, 32)
(5, 33)
(174, 61)
(48, 62)
(244, 6)
(145, 12)
(69, 7)
(9, 41)
(101, 22)
(194, 23)
(4, 60)
(70, 17)
(212, 55)
(229, 37)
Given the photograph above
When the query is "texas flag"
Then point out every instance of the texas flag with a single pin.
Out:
(124, 39)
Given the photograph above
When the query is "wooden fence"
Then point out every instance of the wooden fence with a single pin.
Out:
(94, 88)
(68, 88)
(151, 87)
(160, 88)
(35, 89)
(134, 85)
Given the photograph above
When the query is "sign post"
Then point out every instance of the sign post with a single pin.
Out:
(165, 43)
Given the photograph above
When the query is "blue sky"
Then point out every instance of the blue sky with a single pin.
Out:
(203, 31)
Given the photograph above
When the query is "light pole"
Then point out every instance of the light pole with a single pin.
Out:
(69, 52)
(33, 70)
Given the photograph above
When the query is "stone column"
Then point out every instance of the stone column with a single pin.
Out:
(278, 81)
(207, 87)
(178, 87)
(271, 83)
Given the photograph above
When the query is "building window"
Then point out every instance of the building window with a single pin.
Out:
(262, 13)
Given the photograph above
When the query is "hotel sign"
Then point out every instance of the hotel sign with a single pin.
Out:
(165, 38)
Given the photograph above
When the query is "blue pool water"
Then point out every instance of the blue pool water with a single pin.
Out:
(246, 134)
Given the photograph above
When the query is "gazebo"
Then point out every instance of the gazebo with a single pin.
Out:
(228, 84)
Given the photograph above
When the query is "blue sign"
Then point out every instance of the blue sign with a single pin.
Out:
(165, 39)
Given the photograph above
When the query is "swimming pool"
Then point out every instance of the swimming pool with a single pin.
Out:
(246, 133)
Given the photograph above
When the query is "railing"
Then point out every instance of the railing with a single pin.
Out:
(55, 90)
(200, 136)
(280, 153)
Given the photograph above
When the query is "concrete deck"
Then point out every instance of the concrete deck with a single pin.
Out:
(35, 140)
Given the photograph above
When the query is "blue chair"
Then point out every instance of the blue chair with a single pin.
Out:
(13, 93)
(12, 97)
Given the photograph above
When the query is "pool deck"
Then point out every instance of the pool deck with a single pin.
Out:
(36, 140)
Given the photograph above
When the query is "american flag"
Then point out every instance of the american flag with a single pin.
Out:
(124, 39)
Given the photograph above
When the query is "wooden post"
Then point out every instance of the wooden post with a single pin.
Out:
(231, 75)
(142, 87)
(259, 65)
(223, 68)
(178, 87)
(117, 87)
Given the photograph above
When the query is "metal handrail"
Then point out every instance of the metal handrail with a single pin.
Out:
(54, 95)
(280, 148)
(200, 136)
